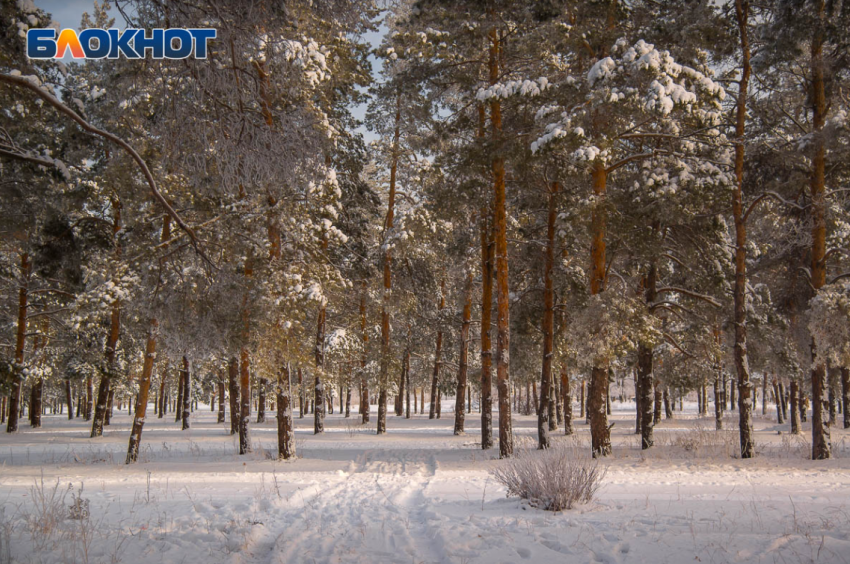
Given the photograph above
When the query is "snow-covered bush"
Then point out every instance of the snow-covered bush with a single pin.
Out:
(553, 479)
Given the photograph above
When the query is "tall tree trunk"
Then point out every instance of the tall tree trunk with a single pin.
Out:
(742, 367)
(568, 401)
(285, 428)
(245, 401)
(795, 410)
(109, 406)
(821, 446)
(656, 413)
(20, 342)
(784, 401)
(486, 398)
(545, 415)
(36, 404)
(637, 401)
(645, 368)
(187, 392)
(845, 395)
(503, 340)
(432, 413)
(319, 388)
(668, 409)
(261, 401)
(89, 398)
(221, 396)
(142, 398)
(301, 399)
(364, 383)
(464, 356)
(233, 384)
(399, 402)
(163, 399)
(178, 411)
(407, 387)
(600, 434)
(114, 332)
(68, 399)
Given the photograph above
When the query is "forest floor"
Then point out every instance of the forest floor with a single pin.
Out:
(417, 495)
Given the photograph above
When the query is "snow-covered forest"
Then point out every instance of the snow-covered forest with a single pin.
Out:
(339, 279)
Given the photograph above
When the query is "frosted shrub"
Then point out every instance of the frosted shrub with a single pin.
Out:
(554, 479)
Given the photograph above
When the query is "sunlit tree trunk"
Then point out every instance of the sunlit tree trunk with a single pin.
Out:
(142, 398)
(600, 434)
(503, 329)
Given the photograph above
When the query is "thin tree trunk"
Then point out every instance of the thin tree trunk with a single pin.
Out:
(783, 401)
(261, 402)
(745, 389)
(364, 384)
(433, 410)
(319, 386)
(233, 382)
(221, 397)
(545, 413)
(845, 395)
(795, 409)
(407, 389)
(68, 399)
(178, 411)
(142, 398)
(187, 393)
(464, 356)
(568, 401)
(285, 428)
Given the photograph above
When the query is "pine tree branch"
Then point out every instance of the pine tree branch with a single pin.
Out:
(28, 84)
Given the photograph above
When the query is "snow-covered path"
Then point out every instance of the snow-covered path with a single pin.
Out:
(419, 495)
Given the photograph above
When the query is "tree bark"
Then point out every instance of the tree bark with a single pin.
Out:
(178, 411)
(503, 340)
(285, 429)
(364, 383)
(742, 367)
(187, 393)
(245, 400)
(142, 398)
(464, 356)
(319, 387)
(233, 384)
(568, 401)
(845, 395)
(432, 412)
(221, 400)
(68, 399)
(20, 342)
(261, 401)
(545, 415)
(795, 409)
(600, 433)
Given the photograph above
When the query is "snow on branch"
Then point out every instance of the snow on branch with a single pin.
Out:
(33, 85)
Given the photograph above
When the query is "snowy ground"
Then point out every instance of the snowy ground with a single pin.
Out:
(416, 495)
